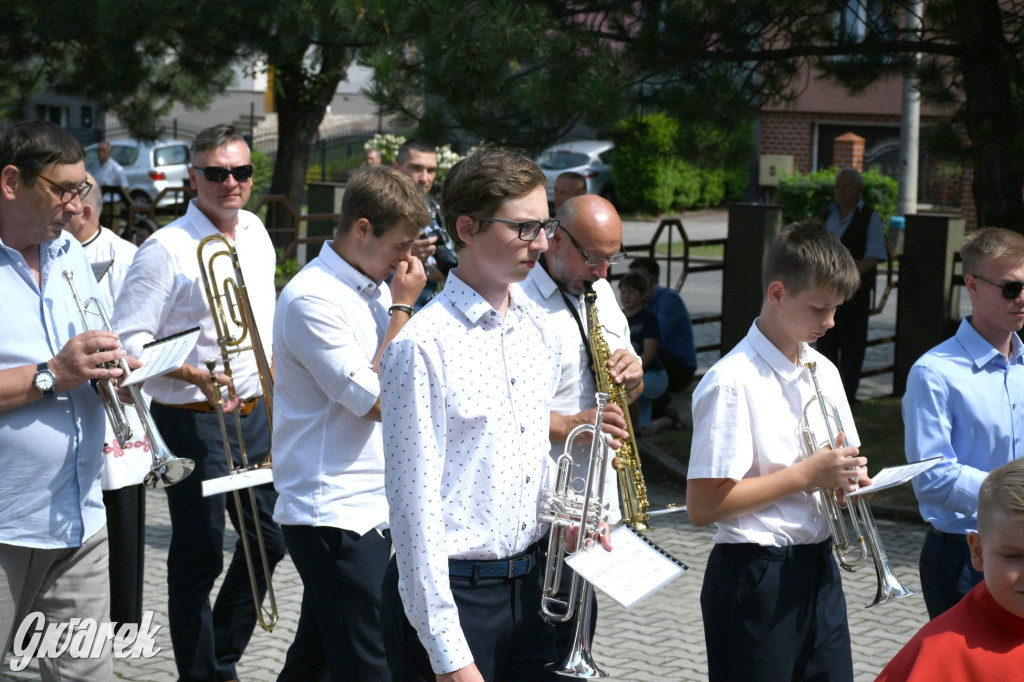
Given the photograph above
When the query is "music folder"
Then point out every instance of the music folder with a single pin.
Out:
(635, 568)
(237, 480)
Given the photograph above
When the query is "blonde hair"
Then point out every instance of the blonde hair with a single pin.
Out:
(1002, 492)
(805, 255)
(989, 243)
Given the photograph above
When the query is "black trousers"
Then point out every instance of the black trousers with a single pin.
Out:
(847, 341)
(500, 618)
(947, 573)
(208, 642)
(339, 625)
(126, 531)
(775, 613)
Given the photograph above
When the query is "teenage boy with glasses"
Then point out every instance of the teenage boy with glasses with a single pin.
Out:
(164, 294)
(464, 407)
(963, 402)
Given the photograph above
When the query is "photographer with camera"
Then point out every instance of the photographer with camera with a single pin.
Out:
(418, 160)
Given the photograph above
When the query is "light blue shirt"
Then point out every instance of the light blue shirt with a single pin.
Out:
(965, 403)
(51, 450)
(874, 247)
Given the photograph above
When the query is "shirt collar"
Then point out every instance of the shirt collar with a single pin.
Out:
(204, 227)
(472, 305)
(981, 351)
(544, 283)
(779, 363)
(344, 271)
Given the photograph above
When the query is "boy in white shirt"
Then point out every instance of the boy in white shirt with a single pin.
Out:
(772, 600)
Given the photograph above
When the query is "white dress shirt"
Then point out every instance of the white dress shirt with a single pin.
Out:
(328, 459)
(576, 387)
(168, 296)
(130, 464)
(747, 412)
(464, 397)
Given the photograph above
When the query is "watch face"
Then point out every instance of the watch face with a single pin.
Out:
(44, 381)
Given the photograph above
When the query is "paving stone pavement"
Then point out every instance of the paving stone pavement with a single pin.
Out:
(660, 639)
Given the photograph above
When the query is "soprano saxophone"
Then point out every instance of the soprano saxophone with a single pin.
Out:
(626, 461)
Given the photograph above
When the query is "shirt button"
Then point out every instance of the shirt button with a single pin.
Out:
(527, 479)
(524, 526)
(522, 429)
(513, 382)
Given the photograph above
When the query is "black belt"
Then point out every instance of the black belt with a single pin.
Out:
(957, 538)
(513, 567)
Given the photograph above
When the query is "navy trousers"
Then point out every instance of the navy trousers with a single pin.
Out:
(946, 571)
(339, 625)
(775, 614)
(208, 642)
(126, 531)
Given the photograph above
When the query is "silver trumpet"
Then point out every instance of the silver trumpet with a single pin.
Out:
(849, 554)
(565, 507)
(167, 469)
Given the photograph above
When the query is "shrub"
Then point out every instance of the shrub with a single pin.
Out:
(806, 196)
(262, 172)
(645, 170)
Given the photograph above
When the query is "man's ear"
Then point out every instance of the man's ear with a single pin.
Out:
(362, 229)
(464, 228)
(8, 181)
(974, 542)
(775, 292)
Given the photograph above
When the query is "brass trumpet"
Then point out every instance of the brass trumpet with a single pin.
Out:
(564, 507)
(230, 308)
(167, 469)
(849, 554)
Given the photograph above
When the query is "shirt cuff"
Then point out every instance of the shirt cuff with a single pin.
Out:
(448, 651)
(361, 391)
(964, 496)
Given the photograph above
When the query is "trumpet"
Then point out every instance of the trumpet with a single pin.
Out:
(849, 554)
(231, 309)
(564, 507)
(167, 469)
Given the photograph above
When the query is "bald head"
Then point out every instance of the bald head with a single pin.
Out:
(86, 224)
(595, 226)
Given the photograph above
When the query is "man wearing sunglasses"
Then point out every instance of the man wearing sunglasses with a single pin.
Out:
(164, 294)
(964, 403)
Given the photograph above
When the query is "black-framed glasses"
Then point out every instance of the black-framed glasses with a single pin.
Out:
(220, 173)
(528, 229)
(67, 193)
(594, 261)
(1010, 290)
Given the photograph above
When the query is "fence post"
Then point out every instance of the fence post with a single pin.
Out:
(752, 229)
(928, 304)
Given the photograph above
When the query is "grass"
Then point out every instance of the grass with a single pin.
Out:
(880, 426)
(713, 251)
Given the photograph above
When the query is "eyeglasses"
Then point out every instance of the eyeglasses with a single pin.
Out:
(1010, 290)
(594, 261)
(220, 173)
(528, 230)
(67, 193)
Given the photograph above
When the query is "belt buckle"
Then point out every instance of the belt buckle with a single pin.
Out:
(511, 568)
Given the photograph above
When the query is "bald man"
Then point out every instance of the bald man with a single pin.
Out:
(587, 241)
(123, 468)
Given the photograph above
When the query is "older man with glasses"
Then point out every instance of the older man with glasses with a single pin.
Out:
(164, 294)
(53, 535)
(587, 241)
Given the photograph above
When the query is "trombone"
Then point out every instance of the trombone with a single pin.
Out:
(563, 508)
(231, 310)
(167, 469)
(849, 554)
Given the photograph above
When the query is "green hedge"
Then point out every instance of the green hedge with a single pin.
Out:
(651, 170)
(806, 196)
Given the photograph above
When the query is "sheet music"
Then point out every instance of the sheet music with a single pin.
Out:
(635, 568)
(891, 477)
(164, 355)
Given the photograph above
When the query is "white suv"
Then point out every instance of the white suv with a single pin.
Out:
(150, 166)
(589, 158)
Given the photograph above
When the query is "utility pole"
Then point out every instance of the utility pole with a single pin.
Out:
(910, 122)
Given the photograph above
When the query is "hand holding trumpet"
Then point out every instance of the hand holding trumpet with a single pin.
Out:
(840, 468)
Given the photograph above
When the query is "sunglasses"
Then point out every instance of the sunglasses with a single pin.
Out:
(220, 174)
(1010, 290)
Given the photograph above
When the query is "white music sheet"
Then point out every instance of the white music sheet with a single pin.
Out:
(891, 477)
(163, 356)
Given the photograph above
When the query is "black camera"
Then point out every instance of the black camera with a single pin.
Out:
(444, 256)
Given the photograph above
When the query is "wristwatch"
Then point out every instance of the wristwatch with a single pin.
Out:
(44, 380)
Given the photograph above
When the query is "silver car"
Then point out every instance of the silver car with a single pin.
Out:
(589, 158)
(150, 166)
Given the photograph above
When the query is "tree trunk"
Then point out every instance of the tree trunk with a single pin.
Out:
(301, 105)
(990, 73)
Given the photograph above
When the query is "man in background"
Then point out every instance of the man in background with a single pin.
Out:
(568, 185)
(107, 171)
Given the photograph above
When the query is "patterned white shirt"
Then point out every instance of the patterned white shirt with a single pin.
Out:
(329, 459)
(167, 296)
(464, 398)
(747, 412)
